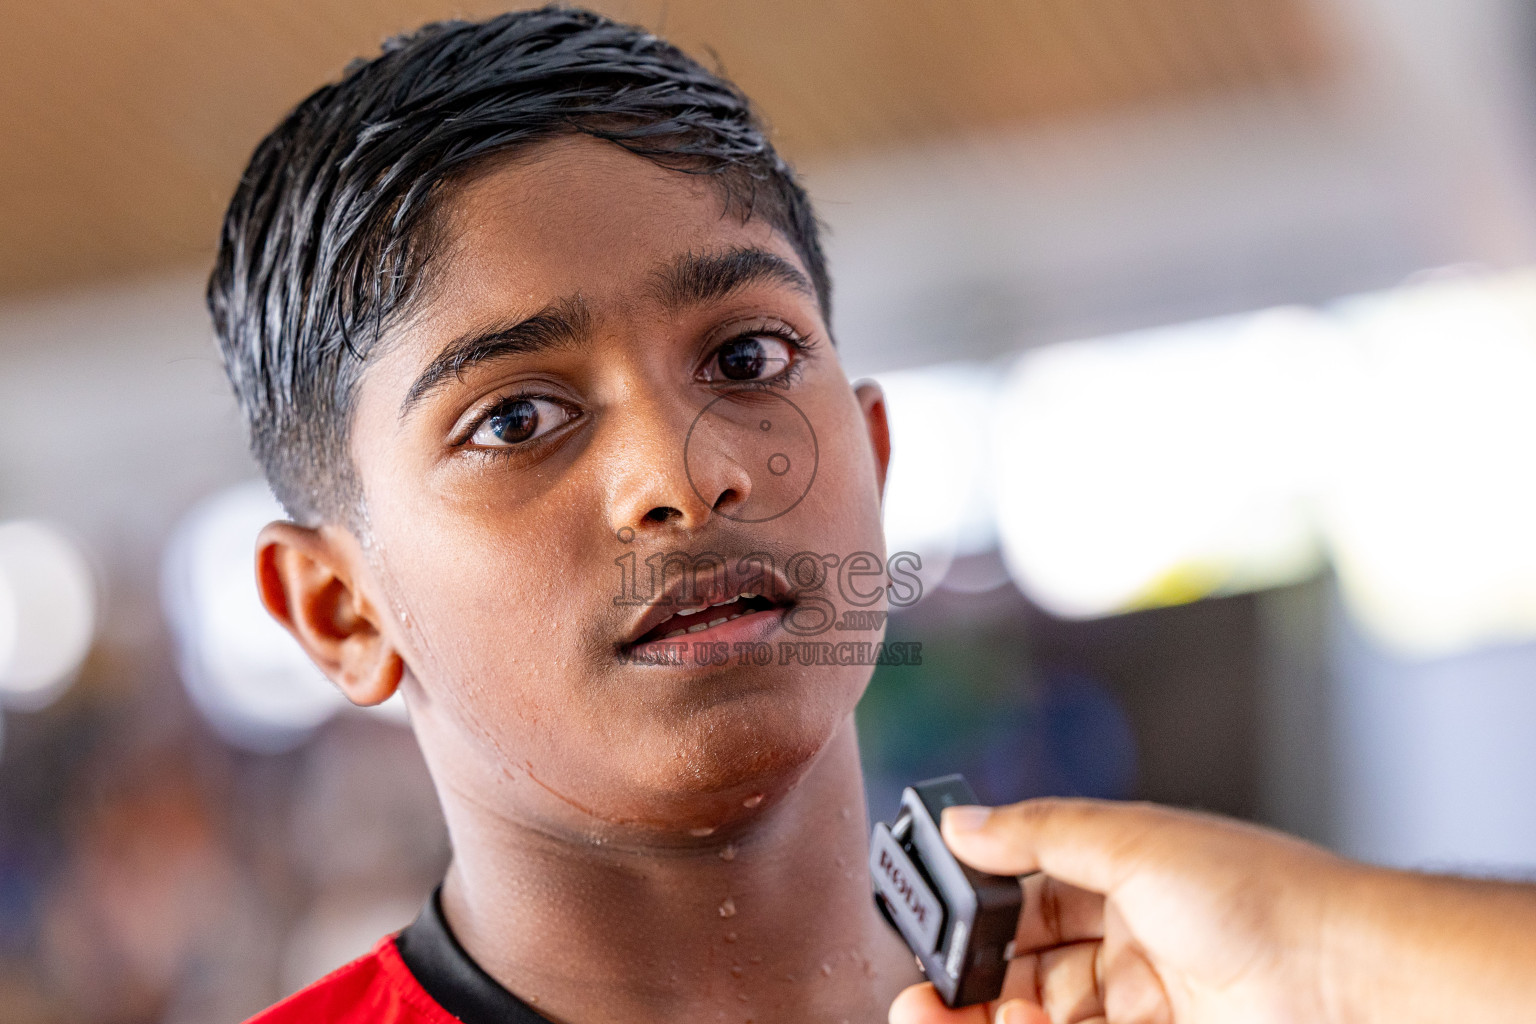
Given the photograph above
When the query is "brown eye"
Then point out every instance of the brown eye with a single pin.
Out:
(757, 357)
(519, 420)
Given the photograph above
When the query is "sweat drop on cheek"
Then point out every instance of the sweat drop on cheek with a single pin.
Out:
(958, 922)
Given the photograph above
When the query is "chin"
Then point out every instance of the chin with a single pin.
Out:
(730, 762)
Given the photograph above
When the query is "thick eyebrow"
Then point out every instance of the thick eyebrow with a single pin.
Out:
(697, 278)
(561, 324)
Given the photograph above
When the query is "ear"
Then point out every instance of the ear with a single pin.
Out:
(872, 405)
(308, 579)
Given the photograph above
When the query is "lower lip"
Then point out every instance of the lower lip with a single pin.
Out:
(754, 627)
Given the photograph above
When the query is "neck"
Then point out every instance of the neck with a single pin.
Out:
(774, 924)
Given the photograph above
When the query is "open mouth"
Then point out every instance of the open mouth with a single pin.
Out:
(697, 619)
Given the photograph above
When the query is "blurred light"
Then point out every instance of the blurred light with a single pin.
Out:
(1394, 433)
(937, 492)
(251, 680)
(1431, 509)
(47, 613)
(1164, 466)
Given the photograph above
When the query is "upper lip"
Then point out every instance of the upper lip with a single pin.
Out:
(771, 585)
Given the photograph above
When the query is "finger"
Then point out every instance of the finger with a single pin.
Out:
(1133, 991)
(1064, 984)
(1056, 913)
(1136, 994)
(1070, 992)
(1019, 1011)
(920, 1004)
(1086, 843)
(1089, 981)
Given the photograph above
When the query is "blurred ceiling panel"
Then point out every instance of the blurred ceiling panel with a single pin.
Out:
(123, 127)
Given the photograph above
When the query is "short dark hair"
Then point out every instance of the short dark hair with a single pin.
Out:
(330, 236)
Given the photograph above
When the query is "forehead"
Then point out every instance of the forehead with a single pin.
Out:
(578, 216)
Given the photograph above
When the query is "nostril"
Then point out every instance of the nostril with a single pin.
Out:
(729, 497)
(662, 513)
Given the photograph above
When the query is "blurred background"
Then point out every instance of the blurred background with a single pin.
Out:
(1209, 330)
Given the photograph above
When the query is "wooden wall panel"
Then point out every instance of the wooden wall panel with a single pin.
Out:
(124, 126)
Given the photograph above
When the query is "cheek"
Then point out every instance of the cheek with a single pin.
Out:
(842, 508)
(490, 620)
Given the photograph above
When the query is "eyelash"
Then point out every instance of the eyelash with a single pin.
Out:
(791, 376)
(787, 379)
(503, 402)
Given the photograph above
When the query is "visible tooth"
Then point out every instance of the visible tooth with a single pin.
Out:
(736, 616)
(691, 611)
(675, 632)
(721, 604)
(716, 622)
(695, 629)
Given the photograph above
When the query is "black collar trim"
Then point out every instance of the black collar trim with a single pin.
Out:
(451, 978)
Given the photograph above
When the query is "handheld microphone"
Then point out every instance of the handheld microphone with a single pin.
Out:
(958, 922)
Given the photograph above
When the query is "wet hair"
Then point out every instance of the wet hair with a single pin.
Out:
(331, 235)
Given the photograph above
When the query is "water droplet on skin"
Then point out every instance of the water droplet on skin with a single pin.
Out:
(730, 936)
(729, 853)
(753, 800)
(826, 970)
(743, 996)
(700, 833)
(736, 971)
(728, 908)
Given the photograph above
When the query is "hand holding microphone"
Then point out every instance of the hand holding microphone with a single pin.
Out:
(1135, 913)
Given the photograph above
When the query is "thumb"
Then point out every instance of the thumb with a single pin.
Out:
(1091, 844)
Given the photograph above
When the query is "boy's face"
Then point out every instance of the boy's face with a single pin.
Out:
(638, 375)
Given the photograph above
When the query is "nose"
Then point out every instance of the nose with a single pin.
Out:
(662, 483)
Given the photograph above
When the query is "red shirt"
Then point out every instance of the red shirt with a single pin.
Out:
(373, 989)
(420, 976)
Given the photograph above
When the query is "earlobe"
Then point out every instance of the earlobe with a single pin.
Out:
(872, 404)
(372, 675)
(310, 585)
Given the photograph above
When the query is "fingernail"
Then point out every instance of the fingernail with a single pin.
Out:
(1011, 1012)
(960, 820)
